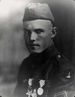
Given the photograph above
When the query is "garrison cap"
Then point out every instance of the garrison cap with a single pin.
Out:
(38, 11)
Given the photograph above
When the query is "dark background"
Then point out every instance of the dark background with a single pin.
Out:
(12, 47)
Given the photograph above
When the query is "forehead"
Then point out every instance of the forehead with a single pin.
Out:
(39, 23)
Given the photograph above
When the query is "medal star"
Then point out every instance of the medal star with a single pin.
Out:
(34, 94)
(29, 93)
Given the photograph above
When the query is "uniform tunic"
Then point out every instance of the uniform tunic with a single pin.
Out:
(48, 74)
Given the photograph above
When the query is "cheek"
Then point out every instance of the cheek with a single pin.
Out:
(26, 37)
(46, 37)
(46, 41)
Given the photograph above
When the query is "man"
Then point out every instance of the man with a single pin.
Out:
(45, 72)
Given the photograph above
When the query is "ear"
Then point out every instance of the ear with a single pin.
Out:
(53, 32)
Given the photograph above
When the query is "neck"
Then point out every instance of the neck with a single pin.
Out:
(45, 55)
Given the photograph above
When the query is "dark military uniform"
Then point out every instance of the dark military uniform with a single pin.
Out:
(48, 74)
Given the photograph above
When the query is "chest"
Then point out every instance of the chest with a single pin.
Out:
(36, 87)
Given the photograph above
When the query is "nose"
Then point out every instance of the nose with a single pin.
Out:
(33, 36)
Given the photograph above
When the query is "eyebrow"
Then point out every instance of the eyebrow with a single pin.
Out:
(36, 29)
(41, 30)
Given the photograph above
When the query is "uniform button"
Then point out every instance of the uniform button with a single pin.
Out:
(68, 76)
(59, 56)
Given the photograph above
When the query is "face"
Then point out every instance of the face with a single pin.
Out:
(38, 35)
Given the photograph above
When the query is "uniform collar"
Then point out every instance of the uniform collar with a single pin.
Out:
(45, 55)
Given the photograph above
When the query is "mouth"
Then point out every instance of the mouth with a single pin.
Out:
(34, 46)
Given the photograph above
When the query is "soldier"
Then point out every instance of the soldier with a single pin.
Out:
(45, 72)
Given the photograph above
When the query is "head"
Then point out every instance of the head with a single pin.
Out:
(39, 30)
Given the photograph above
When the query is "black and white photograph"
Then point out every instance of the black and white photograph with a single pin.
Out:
(37, 48)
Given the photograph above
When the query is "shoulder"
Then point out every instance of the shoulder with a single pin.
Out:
(65, 75)
(64, 62)
(66, 72)
(26, 61)
(23, 67)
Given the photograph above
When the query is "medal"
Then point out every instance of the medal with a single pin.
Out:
(33, 92)
(29, 93)
(42, 83)
(40, 91)
(30, 82)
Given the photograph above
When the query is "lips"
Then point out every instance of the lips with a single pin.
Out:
(33, 46)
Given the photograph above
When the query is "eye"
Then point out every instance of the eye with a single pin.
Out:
(39, 31)
(26, 31)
